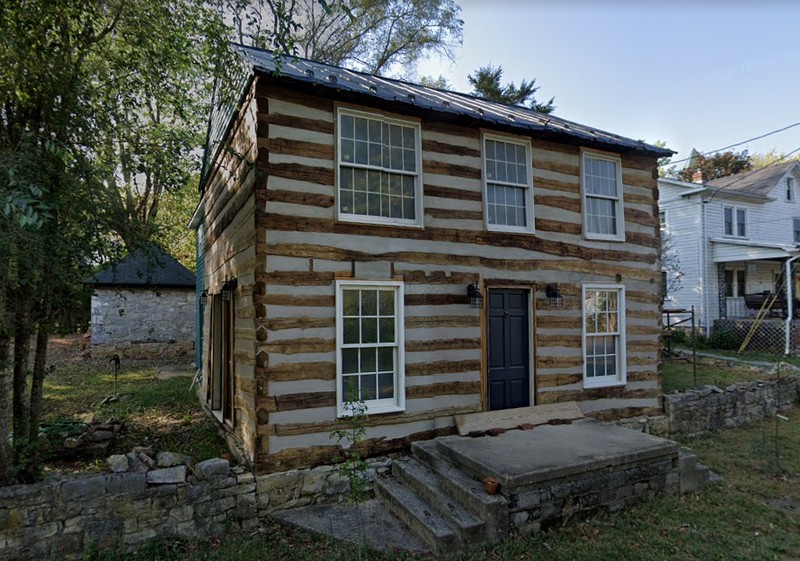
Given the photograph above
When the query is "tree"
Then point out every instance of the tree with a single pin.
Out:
(381, 37)
(440, 83)
(486, 83)
(98, 106)
(772, 157)
(721, 164)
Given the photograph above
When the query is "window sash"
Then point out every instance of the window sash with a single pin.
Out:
(603, 335)
(602, 195)
(789, 189)
(508, 184)
(369, 353)
(797, 230)
(734, 222)
(379, 169)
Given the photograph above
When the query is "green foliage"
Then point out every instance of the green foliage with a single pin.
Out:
(721, 164)
(382, 37)
(486, 83)
(723, 338)
(174, 214)
(352, 466)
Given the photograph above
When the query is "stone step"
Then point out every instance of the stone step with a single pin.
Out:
(418, 515)
(694, 476)
(428, 486)
(464, 488)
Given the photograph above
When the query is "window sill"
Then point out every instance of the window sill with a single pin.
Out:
(508, 229)
(602, 238)
(592, 385)
(377, 221)
(376, 410)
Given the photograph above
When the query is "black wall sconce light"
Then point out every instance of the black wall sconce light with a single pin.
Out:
(554, 295)
(203, 298)
(475, 296)
(227, 289)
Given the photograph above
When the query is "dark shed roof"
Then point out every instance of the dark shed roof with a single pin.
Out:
(421, 98)
(149, 266)
(760, 182)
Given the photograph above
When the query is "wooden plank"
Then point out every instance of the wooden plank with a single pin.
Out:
(510, 418)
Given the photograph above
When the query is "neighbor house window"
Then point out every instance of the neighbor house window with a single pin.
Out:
(789, 189)
(662, 220)
(379, 169)
(509, 191)
(369, 345)
(735, 283)
(796, 230)
(603, 335)
(735, 221)
(603, 215)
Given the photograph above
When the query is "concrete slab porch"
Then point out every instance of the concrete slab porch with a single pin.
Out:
(436, 494)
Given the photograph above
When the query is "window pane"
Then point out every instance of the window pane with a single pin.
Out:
(350, 330)
(350, 388)
(369, 302)
(347, 126)
(375, 131)
(408, 186)
(409, 209)
(349, 361)
(386, 359)
(350, 304)
(361, 128)
(369, 360)
(348, 150)
(408, 138)
(346, 202)
(387, 302)
(387, 330)
(368, 390)
(386, 385)
(361, 152)
(369, 330)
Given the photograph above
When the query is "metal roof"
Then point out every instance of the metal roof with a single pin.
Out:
(405, 93)
(760, 182)
(149, 266)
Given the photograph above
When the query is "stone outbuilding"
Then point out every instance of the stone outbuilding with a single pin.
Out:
(144, 307)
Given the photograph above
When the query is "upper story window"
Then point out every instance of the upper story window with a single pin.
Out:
(789, 188)
(662, 219)
(796, 230)
(379, 169)
(509, 188)
(734, 222)
(603, 214)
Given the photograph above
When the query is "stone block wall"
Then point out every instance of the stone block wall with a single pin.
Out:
(144, 323)
(65, 516)
(711, 408)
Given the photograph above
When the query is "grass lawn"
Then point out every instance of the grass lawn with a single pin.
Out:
(162, 414)
(753, 514)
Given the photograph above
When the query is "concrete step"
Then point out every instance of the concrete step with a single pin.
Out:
(428, 486)
(418, 515)
(694, 476)
(464, 488)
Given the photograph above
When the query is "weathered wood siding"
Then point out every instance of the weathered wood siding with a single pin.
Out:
(230, 253)
(302, 250)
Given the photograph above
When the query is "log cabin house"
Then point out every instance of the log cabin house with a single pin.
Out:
(424, 251)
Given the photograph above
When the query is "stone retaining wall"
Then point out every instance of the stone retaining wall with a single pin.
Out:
(65, 516)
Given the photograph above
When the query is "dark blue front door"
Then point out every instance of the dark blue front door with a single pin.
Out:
(509, 349)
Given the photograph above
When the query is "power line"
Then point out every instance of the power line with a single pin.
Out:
(734, 145)
(748, 174)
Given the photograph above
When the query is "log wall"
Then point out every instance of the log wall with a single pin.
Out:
(301, 250)
(230, 200)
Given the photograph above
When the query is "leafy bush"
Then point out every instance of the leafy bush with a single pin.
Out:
(723, 338)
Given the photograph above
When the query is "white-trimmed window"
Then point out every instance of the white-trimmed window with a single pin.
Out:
(734, 222)
(369, 345)
(796, 230)
(603, 335)
(508, 184)
(789, 188)
(601, 180)
(379, 169)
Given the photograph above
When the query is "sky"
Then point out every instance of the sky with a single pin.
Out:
(695, 74)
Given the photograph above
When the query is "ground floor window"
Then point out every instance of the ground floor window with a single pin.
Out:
(603, 335)
(369, 345)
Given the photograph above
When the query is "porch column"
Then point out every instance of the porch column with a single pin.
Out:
(722, 292)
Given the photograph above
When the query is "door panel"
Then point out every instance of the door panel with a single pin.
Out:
(509, 349)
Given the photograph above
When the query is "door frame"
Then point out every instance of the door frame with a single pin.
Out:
(530, 288)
